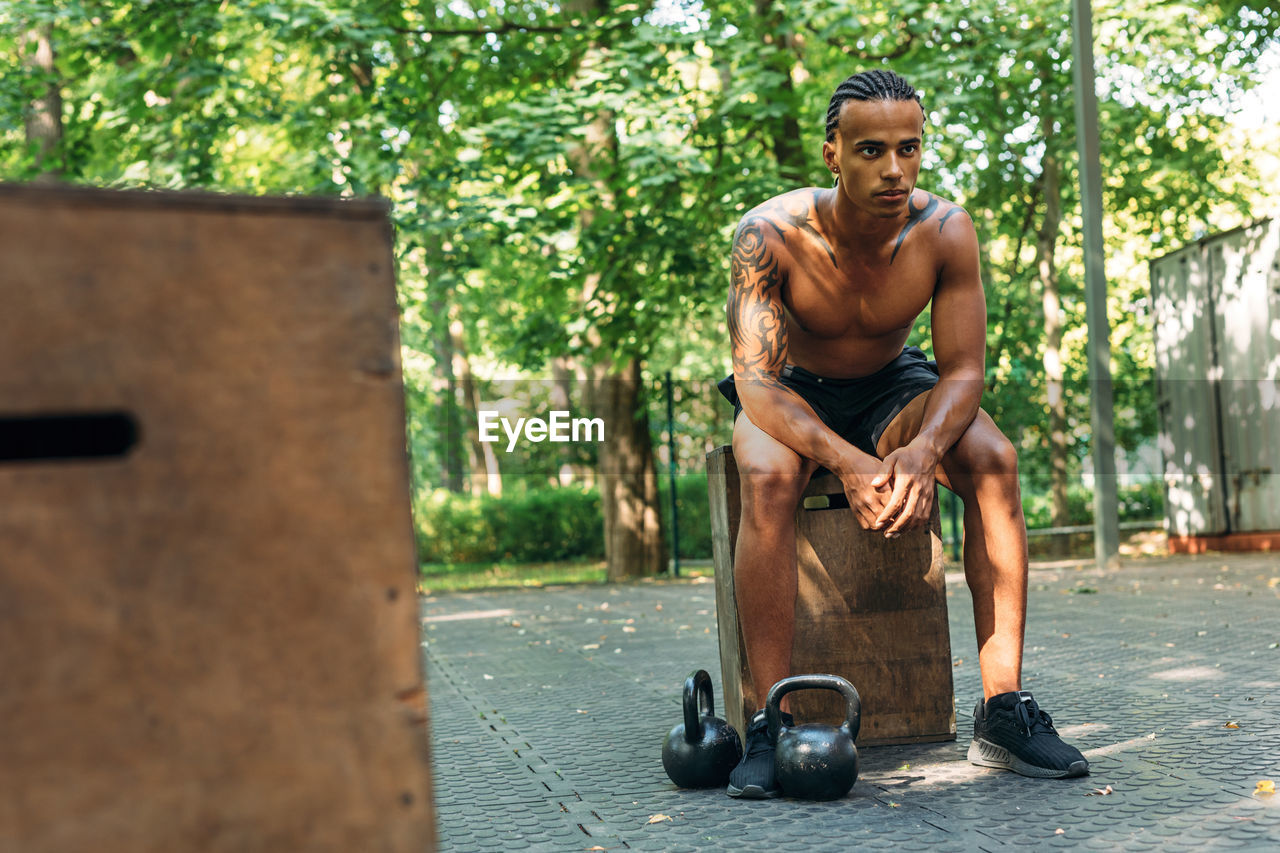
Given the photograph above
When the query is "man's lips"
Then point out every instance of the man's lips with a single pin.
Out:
(891, 194)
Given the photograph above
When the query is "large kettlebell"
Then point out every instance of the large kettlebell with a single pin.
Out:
(815, 761)
(701, 751)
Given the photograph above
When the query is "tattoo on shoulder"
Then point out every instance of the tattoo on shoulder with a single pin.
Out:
(916, 215)
(757, 326)
(783, 220)
(952, 212)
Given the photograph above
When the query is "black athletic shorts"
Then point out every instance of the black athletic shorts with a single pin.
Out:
(858, 410)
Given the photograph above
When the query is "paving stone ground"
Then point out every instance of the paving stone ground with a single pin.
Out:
(548, 709)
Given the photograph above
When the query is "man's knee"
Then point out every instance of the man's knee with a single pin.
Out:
(771, 488)
(984, 450)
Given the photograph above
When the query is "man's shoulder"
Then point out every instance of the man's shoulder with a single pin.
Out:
(772, 217)
(924, 205)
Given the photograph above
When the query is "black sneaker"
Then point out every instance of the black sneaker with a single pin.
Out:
(1011, 732)
(755, 778)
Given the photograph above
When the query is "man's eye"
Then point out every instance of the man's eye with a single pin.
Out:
(908, 149)
(870, 152)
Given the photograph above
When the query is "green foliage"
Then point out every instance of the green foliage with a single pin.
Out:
(527, 526)
(1139, 501)
(693, 512)
(565, 181)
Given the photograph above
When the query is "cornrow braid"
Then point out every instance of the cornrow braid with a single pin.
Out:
(875, 85)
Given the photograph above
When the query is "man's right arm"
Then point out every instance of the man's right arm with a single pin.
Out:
(758, 333)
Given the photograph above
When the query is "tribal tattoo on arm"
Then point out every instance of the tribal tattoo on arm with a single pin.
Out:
(757, 326)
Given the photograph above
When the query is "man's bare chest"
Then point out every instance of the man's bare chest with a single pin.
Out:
(835, 304)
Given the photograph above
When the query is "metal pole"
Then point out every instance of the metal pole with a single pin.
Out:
(1106, 526)
(671, 469)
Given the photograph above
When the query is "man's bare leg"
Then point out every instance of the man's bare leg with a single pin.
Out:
(764, 571)
(1010, 730)
(765, 582)
(982, 468)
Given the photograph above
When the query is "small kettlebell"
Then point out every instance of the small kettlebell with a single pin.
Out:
(815, 761)
(703, 750)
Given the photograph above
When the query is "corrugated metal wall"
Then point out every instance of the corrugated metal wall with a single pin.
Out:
(1217, 338)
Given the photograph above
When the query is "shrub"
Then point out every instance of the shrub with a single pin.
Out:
(528, 526)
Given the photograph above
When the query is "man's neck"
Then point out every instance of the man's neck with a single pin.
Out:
(853, 227)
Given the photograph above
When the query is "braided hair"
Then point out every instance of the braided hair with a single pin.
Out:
(875, 85)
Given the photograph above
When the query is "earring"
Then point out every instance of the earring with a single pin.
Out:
(836, 182)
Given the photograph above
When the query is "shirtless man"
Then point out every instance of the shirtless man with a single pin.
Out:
(826, 284)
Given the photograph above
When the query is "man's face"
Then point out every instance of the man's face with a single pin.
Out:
(877, 153)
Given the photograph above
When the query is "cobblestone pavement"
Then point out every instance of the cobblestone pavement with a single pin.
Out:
(549, 707)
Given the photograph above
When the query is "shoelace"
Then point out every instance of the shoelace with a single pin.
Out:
(1032, 718)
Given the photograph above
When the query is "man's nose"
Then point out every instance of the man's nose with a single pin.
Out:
(892, 167)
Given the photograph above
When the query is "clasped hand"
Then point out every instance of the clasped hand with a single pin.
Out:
(894, 494)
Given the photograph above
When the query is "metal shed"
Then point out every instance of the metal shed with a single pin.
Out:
(1217, 340)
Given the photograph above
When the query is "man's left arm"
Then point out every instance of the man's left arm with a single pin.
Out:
(959, 331)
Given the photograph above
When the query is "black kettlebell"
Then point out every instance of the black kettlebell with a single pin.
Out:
(815, 761)
(701, 751)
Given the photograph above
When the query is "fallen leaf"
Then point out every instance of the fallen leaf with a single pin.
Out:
(1151, 736)
(905, 767)
(1059, 831)
(580, 711)
(659, 818)
(958, 661)
(1265, 786)
(488, 677)
(1100, 792)
(894, 805)
(515, 624)
(627, 629)
(1231, 724)
(657, 607)
(597, 847)
(591, 646)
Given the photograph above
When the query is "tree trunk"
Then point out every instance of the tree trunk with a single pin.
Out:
(446, 387)
(482, 461)
(43, 119)
(793, 165)
(563, 399)
(1047, 276)
(629, 488)
(628, 492)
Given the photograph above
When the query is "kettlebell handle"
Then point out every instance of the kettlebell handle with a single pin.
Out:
(773, 703)
(698, 703)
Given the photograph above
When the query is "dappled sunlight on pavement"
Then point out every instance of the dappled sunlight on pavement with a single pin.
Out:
(549, 707)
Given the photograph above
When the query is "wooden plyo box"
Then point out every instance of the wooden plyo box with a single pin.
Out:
(209, 631)
(869, 609)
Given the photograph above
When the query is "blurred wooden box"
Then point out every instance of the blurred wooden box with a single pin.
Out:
(869, 609)
(208, 632)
